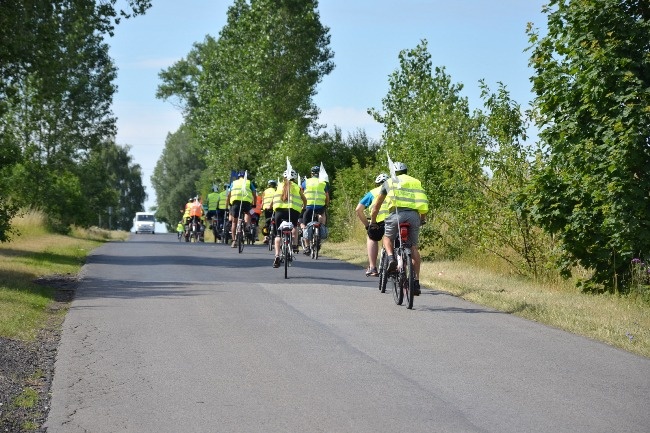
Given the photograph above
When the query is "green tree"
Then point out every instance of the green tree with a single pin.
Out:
(176, 176)
(428, 126)
(55, 96)
(592, 75)
(110, 179)
(252, 88)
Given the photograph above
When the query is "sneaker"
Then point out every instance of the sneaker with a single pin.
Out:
(392, 265)
(373, 272)
(295, 250)
(276, 262)
(368, 271)
(416, 287)
(307, 251)
(234, 244)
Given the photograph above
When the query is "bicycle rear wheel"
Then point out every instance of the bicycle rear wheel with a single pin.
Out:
(240, 241)
(315, 244)
(407, 283)
(287, 253)
(398, 294)
(383, 264)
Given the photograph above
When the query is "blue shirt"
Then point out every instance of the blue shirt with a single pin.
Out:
(367, 199)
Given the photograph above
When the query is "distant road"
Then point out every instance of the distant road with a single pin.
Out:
(175, 337)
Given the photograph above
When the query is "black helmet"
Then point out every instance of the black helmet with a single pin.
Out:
(315, 169)
(272, 182)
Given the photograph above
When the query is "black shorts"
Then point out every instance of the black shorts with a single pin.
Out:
(285, 215)
(235, 211)
(210, 214)
(312, 215)
(268, 213)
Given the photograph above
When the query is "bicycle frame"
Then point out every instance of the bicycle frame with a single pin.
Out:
(403, 278)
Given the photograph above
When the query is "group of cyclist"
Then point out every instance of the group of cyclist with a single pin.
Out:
(396, 199)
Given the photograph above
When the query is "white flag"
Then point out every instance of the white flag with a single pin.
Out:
(391, 167)
(289, 168)
(322, 174)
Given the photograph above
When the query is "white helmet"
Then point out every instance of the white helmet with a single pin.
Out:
(291, 176)
(381, 178)
(399, 166)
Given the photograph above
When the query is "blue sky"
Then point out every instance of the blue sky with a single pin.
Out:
(472, 39)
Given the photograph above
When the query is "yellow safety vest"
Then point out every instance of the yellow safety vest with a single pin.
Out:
(295, 200)
(236, 192)
(213, 200)
(269, 193)
(383, 210)
(408, 194)
(315, 192)
(221, 204)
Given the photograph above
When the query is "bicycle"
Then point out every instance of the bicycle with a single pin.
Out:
(239, 235)
(286, 245)
(314, 242)
(225, 229)
(403, 277)
(272, 233)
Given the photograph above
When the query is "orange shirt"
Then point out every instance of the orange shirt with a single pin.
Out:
(196, 209)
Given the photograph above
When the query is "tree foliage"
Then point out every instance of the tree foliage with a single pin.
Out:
(56, 89)
(176, 175)
(251, 90)
(592, 75)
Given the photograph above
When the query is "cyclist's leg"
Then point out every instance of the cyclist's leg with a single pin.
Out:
(280, 216)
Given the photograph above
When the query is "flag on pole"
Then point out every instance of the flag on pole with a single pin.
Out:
(391, 167)
(289, 168)
(322, 174)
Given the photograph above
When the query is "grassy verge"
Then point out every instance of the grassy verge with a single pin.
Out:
(620, 321)
(33, 254)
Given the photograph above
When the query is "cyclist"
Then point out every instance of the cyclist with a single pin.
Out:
(288, 202)
(375, 233)
(318, 198)
(180, 228)
(267, 201)
(240, 198)
(408, 203)
(212, 202)
(221, 207)
(196, 211)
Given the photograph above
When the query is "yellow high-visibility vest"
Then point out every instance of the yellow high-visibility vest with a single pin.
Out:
(294, 201)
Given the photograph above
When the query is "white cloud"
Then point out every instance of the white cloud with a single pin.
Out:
(350, 119)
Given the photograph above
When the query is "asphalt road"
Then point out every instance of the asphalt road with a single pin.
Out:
(174, 337)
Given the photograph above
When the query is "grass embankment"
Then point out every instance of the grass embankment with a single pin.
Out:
(31, 254)
(620, 321)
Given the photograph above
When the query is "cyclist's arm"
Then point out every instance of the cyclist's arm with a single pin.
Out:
(362, 216)
(375, 208)
(304, 199)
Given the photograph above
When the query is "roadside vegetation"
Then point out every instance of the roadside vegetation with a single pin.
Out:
(619, 320)
(36, 252)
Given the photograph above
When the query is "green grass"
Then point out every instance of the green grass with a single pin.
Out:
(621, 321)
(27, 399)
(31, 254)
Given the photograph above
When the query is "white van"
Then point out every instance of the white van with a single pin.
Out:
(144, 222)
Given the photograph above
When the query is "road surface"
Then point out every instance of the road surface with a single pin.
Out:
(175, 337)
